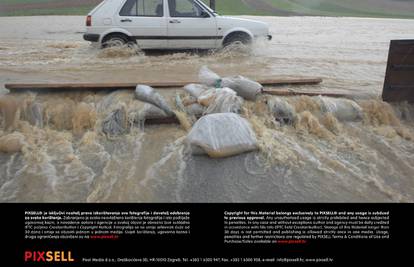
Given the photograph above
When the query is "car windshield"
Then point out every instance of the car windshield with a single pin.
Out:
(207, 7)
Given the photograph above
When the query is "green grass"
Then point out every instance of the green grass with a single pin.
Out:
(49, 12)
(354, 8)
(80, 10)
(234, 7)
(23, 1)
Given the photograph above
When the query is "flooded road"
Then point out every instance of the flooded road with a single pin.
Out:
(66, 157)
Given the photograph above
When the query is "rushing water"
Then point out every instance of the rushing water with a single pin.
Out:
(66, 156)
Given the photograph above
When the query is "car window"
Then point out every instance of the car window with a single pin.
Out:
(143, 8)
(184, 8)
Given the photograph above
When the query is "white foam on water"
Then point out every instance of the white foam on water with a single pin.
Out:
(319, 158)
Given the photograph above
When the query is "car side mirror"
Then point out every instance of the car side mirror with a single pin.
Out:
(204, 14)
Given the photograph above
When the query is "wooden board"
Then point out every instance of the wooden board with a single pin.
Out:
(399, 77)
(14, 87)
(279, 92)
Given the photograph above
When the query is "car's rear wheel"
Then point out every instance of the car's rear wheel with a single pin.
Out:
(115, 40)
(237, 38)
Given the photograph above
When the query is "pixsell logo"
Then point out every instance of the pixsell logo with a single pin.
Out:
(48, 256)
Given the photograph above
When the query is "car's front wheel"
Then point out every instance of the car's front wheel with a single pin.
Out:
(237, 38)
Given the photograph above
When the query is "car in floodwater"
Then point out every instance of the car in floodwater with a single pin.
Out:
(168, 24)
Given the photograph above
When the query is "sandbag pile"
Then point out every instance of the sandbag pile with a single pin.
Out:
(33, 113)
(195, 109)
(149, 95)
(116, 123)
(220, 101)
(222, 135)
(243, 86)
(148, 112)
(221, 132)
(195, 90)
(220, 95)
(342, 109)
(12, 143)
(282, 111)
(120, 119)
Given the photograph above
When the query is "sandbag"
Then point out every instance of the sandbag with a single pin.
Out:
(222, 135)
(116, 123)
(195, 90)
(58, 113)
(84, 118)
(149, 95)
(9, 111)
(195, 110)
(152, 112)
(208, 77)
(221, 101)
(149, 112)
(111, 101)
(189, 100)
(282, 111)
(342, 109)
(33, 113)
(12, 143)
(243, 86)
(208, 97)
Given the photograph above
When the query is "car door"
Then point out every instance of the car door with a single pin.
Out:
(190, 25)
(146, 21)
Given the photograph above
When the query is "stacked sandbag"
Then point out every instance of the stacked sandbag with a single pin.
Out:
(282, 111)
(84, 118)
(148, 112)
(152, 112)
(209, 78)
(116, 123)
(9, 110)
(243, 86)
(342, 109)
(12, 143)
(220, 101)
(195, 90)
(33, 113)
(222, 135)
(149, 95)
(195, 110)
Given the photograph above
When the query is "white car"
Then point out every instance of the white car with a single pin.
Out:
(168, 24)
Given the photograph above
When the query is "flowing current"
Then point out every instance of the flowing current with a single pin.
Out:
(65, 156)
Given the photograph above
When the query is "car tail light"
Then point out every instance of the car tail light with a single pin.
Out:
(89, 21)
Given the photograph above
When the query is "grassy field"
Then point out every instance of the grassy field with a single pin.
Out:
(46, 7)
(82, 10)
(235, 7)
(355, 8)
(360, 8)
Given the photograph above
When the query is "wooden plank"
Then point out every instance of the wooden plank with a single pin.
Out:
(399, 77)
(167, 120)
(297, 93)
(130, 86)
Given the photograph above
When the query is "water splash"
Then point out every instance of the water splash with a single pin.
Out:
(317, 158)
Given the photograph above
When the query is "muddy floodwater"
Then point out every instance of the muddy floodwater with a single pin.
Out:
(56, 151)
